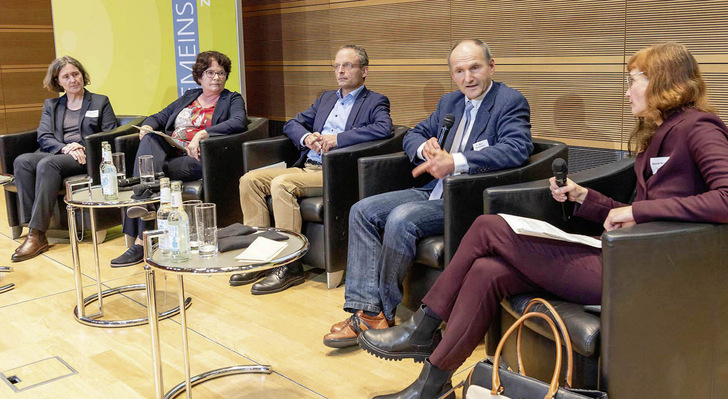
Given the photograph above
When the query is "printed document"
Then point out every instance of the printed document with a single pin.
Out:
(539, 228)
(261, 250)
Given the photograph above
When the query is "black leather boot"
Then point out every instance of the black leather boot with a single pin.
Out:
(414, 339)
(280, 279)
(431, 384)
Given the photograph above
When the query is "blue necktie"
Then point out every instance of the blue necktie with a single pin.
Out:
(454, 147)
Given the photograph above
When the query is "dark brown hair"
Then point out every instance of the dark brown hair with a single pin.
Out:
(50, 81)
(204, 60)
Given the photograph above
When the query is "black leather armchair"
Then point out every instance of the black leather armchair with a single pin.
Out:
(462, 195)
(662, 328)
(13, 145)
(222, 166)
(326, 218)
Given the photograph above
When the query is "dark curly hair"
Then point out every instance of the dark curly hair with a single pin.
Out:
(204, 60)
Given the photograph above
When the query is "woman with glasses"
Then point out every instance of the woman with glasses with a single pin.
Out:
(64, 124)
(682, 175)
(209, 111)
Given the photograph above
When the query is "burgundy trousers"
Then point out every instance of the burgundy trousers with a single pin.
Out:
(491, 263)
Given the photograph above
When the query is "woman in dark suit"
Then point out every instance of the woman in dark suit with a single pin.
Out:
(63, 125)
(198, 114)
(682, 175)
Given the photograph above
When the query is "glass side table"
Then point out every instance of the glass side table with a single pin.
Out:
(224, 263)
(5, 179)
(79, 195)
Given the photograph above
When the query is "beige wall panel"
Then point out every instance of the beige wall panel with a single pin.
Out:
(23, 86)
(718, 91)
(412, 30)
(26, 48)
(3, 126)
(18, 121)
(700, 25)
(296, 36)
(542, 28)
(26, 12)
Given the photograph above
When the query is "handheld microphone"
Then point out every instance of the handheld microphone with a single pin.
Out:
(560, 170)
(447, 123)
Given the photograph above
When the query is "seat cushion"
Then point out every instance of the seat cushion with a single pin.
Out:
(312, 209)
(431, 252)
(583, 327)
(192, 190)
(11, 187)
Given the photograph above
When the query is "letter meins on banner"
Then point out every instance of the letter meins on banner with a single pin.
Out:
(186, 42)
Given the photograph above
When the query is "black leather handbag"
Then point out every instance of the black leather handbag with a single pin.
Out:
(487, 380)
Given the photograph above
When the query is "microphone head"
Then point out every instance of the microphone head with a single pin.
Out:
(448, 121)
(558, 166)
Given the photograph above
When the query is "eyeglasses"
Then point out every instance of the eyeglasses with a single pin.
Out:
(211, 74)
(347, 65)
(630, 78)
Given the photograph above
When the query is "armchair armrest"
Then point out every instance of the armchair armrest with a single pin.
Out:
(15, 144)
(462, 193)
(222, 166)
(664, 298)
(93, 145)
(259, 153)
(533, 199)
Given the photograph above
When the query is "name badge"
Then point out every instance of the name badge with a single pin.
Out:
(657, 162)
(480, 145)
(92, 114)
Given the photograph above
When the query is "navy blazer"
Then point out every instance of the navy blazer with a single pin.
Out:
(229, 116)
(369, 120)
(691, 186)
(50, 129)
(503, 119)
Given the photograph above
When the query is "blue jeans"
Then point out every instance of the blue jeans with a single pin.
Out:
(383, 234)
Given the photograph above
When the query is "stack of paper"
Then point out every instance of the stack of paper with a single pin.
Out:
(539, 228)
(262, 250)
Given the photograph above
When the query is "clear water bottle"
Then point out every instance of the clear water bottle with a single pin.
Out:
(163, 213)
(178, 226)
(109, 184)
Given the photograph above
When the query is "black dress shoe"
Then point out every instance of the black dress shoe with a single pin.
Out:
(280, 279)
(247, 278)
(132, 256)
(414, 339)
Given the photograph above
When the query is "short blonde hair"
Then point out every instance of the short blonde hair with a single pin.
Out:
(50, 81)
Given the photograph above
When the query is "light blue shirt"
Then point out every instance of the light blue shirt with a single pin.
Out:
(336, 122)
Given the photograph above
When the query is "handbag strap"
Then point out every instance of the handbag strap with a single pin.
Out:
(564, 332)
(497, 389)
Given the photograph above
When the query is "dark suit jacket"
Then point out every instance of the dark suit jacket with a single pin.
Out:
(692, 186)
(229, 116)
(369, 120)
(503, 119)
(50, 130)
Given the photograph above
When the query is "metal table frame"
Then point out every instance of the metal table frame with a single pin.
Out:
(201, 267)
(90, 197)
(6, 269)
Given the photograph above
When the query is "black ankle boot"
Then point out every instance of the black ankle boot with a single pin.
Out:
(414, 339)
(431, 384)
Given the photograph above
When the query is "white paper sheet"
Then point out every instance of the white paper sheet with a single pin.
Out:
(539, 228)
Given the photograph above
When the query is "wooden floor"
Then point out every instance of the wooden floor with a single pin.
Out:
(227, 326)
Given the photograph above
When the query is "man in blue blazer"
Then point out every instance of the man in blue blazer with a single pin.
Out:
(491, 131)
(339, 118)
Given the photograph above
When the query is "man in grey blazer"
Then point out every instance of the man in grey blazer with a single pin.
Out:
(491, 131)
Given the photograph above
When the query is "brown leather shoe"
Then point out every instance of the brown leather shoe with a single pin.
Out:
(353, 326)
(35, 244)
(338, 326)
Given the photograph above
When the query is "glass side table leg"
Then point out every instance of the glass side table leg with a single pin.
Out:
(7, 287)
(154, 326)
(81, 309)
(185, 344)
(94, 240)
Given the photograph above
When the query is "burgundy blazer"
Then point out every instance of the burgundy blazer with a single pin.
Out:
(691, 186)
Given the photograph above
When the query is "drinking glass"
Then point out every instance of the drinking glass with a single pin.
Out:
(117, 159)
(146, 168)
(206, 229)
(190, 211)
